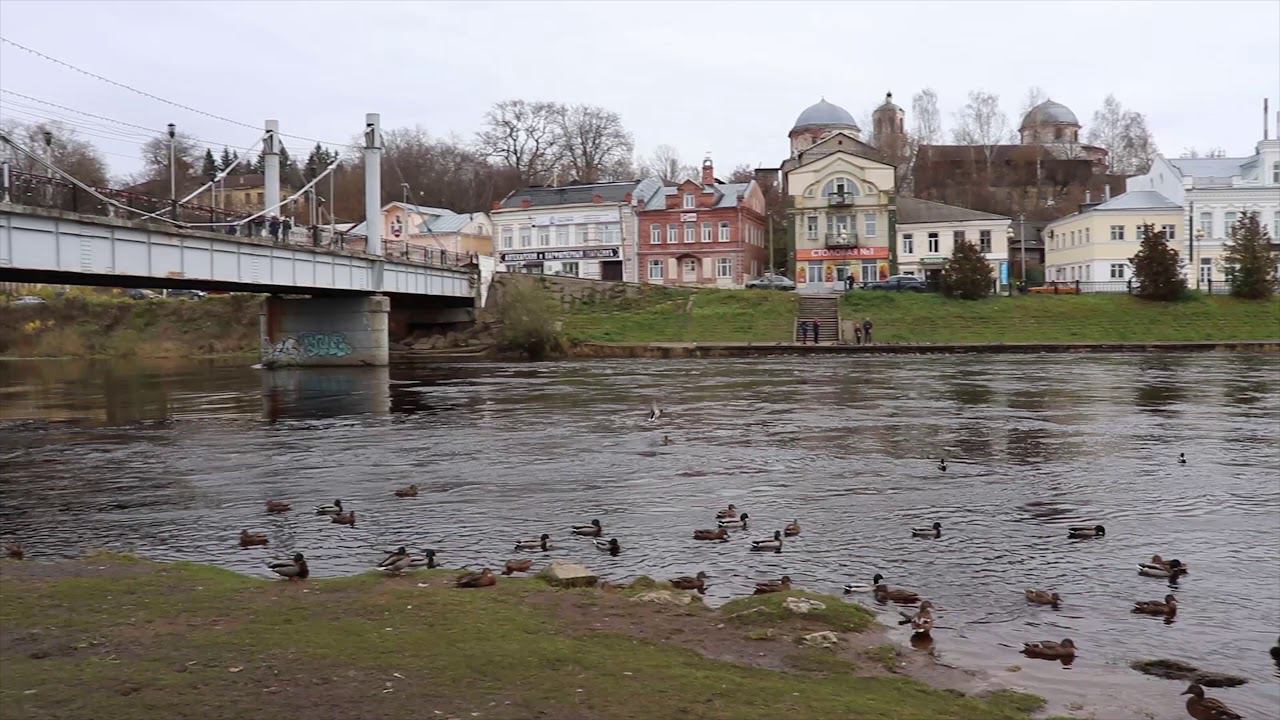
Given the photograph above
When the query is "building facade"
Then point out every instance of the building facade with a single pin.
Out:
(1212, 193)
(586, 231)
(927, 233)
(437, 228)
(1097, 242)
(702, 233)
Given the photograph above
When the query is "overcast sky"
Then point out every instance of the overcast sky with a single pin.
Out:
(728, 77)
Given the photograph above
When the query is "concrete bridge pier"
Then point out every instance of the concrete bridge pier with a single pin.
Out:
(324, 331)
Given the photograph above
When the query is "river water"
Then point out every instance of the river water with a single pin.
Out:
(172, 460)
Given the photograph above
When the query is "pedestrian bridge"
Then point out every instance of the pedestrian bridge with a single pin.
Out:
(40, 245)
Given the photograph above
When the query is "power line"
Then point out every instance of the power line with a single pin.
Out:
(157, 98)
(79, 112)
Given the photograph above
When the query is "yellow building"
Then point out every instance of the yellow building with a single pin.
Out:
(1095, 244)
(245, 193)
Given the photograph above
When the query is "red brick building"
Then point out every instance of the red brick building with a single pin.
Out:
(708, 233)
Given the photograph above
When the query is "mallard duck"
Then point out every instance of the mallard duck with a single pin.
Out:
(655, 412)
(278, 506)
(697, 582)
(411, 491)
(15, 550)
(1161, 568)
(333, 509)
(1050, 650)
(793, 529)
(942, 464)
(592, 530)
(396, 561)
(542, 543)
(729, 512)
(248, 539)
(666, 440)
(1182, 458)
(764, 588)
(772, 545)
(720, 534)
(1082, 531)
(426, 560)
(738, 522)
(484, 578)
(1042, 597)
(294, 568)
(1275, 651)
(610, 546)
(922, 622)
(883, 592)
(1203, 708)
(1168, 607)
(344, 518)
(929, 532)
(515, 566)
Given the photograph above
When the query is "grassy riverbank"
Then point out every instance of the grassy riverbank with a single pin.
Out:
(87, 324)
(110, 637)
(676, 315)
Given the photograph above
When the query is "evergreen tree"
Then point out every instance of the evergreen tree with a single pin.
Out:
(317, 161)
(967, 275)
(226, 159)
(209, 166)
(1156, 268)
(1249, 260)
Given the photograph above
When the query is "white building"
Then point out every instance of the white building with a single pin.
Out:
(1212, 192)
(586, 231)
(927, 233)
(1096, 243)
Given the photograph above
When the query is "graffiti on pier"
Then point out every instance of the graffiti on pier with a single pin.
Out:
(293, 349)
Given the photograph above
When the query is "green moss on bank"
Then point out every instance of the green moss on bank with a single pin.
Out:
(682, 315)
(106, 639)
(770, 610)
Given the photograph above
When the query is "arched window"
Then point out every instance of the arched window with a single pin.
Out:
(841, 186)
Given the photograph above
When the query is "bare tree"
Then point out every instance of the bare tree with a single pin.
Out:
(1124, 133)
(1035, 96)
(70, 153)
(926, 119)
(981, 122)
(442, 173)
(593, 141)
(665, 164)
(524, 136)
(742, 174)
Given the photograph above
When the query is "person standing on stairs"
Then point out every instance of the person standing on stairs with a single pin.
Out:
(866, 329)
(814, 325)
(857, 334)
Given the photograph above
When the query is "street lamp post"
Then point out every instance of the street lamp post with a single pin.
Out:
(404, 192)
(1198, 235)
(173, 175)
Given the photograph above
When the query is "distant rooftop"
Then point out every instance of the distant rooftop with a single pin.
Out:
(1139, 200)
(915, 210)
(614, 192)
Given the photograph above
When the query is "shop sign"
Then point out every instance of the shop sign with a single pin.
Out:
(577, 218)
(852, 253)
(688, 217)
(538, 255)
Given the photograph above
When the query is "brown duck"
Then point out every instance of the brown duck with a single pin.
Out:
(793, 529)
(248, 539)
(345, 518)
(922, 622)
(411, 491)
(729, 512)
(884, 593)
(1168, 608)
(484, 578)
(1042, 597)
(685, 582)
(278, 506)
(15, 550)
(515, 566)
(1203, 708)
(764, 588)
(1050, 650)
(720, 534)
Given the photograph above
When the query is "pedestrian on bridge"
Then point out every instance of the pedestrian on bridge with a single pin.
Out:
(273, 227)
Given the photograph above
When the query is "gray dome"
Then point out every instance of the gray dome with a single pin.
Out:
(824, 114)
(1049, 113)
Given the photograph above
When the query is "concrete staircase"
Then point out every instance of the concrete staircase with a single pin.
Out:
(826, 310)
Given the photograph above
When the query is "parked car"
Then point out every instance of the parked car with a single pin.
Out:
(900, 283)
(27, 300)
(771, 281)
(188, 294)
(140, 294)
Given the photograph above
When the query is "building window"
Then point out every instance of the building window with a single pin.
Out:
(1206, 224)
(1228, 221)
(260, 199)
(690, 267)
(612, 233)
(690, 232)
(673, 234)
(506, 238)
(838, 225)
(840, 186)
(1275, 172)
(706, 232)
(1117, 232)
(526, 236)
(869, 272)
(544, 237)
(984, 241)
(908, 244)
(1206, 269)
(655, 269)
(811, 226)
(957, 236)
(690, 201)
(724, 232)
(569, 268)
(1117, 271)
(1275, 226)
(1168, 232)
(933, 242)
(869, 220)
(655, 234)
(1086, 236)
(1140, 232)
(724, 268)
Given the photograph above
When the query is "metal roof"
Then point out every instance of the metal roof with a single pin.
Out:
(1139, 200)
(824, 114)
(1049, 113)
(1209, 167)
(915, 210)
(569, 195)
(730, 194)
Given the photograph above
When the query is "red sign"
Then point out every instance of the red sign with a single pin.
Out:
(851, 253)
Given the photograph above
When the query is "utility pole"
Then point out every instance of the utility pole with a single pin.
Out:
(173, 173)
(271, 168)
(332, 201)
(373, 183)
(48, 158)
(1022, 243)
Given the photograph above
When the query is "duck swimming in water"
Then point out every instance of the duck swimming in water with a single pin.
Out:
(655, 412)
(720, 534)
(739, 522)
(1042, 597)
(610, 546)
(277, 506)
(922, 622)
(1050, 650)
(331, 509)
(773, 586)
(1080, 532)
(1182, 458)
(344, 518)
(249, 539)
(697, 582)
(942, 464)
(405, 492)
(592, 530)
(729, 512)
(1168, 607)
(885, 593)
(294, 568)
(793, 529)
(542, 543)
(772, 545)
(929, 532)
(1203, 708)
(1160, 568)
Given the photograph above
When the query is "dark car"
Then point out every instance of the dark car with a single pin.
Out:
(188, 294)
(771, 281)
(140, 294)
(900, 283)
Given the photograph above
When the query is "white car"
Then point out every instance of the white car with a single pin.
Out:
(27, 300)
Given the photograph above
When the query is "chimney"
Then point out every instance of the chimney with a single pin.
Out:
(497, 204)
(1266, 119)
(526, 203)
(708, 171)
(1087, 198)
(597, 198)
(1106, 192)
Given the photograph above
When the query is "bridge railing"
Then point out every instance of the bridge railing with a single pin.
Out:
(48, 192)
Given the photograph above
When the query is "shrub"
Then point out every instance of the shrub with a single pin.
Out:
(1249, 260)
(1157, 269)
(528, 315)
(967, 275)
